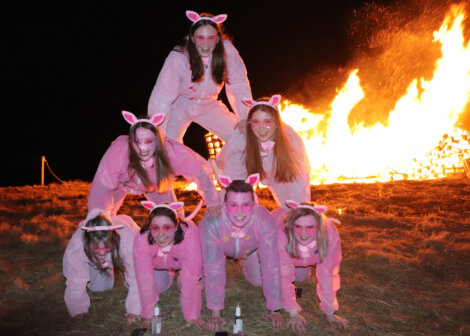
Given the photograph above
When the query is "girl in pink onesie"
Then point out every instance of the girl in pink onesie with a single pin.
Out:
(99, 245)
(168, 244)
(192, 77)
(145, 163)
(308, 238)
(246, 231)
(271, 148)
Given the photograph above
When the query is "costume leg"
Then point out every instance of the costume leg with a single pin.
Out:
(302, 273)
(252, 269)
(118, 197)
(100, 281)
(163, 279)
(219, 120)
(180, 120)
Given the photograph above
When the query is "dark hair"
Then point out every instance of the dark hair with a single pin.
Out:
(163, 168)
(110, 238)
(286, 166)
(162, 211)
(239, 186)
(218, 65)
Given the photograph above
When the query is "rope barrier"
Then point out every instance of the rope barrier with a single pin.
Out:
(44, 161)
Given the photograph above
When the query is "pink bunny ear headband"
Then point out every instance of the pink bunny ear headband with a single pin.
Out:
(173, 207)
(195, 17)
(253, 179)
(95, 212)
(317, 208)
(155, 120)
(273, 101)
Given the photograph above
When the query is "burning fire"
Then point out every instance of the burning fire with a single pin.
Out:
(419, 140)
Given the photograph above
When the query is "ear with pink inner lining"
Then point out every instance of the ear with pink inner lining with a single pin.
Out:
(149, 205)
(274, 100)
(253, 179)
(249, 102)
(219, 18)
(292, 204)
(320, 208)
(157, 119)
(192, 16)
(177, 205)
(129, 117)
(225, 180)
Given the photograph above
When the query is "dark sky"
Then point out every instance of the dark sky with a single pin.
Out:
(71, 70)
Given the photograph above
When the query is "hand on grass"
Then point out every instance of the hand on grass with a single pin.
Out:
(147, 323)
(199, 323)
(131, 318)
(79, 316)
(276, 319)
(297, 323)
(341, 323)
(215, 321)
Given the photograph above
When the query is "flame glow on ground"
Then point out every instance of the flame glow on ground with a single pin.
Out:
(404, 146)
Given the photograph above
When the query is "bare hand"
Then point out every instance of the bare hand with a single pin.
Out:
(131, 318)
(79, 316)
(214, 211)
(338, 321)
(276, 319)
(201, 324)
(215, 321)
(241, 126)
(297, 323)
(147, 323)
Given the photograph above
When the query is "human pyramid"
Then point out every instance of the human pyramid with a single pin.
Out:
(275, 249)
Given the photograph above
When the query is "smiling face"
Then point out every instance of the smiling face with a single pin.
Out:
(100, 251)
(239, 207)
(263, 125)
(162, 229)
(205, 38)
(145, 143)
(304, 229)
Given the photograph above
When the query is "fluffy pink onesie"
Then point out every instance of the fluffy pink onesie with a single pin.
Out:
(232, 157)
(112, 182)
(258, 247)
(183, 101)
(298, 269)
(185, 257)
(76, 267)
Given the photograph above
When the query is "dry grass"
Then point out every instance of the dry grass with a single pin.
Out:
(405, 270)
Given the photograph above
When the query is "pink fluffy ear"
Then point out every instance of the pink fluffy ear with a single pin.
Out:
(219, 18)
(276, 99)
(157, 119)
(320, 208)
(248, 102)
(129, 117)
(149, 205)
(177, 205)
(292, 204)
(225, 181)
(192, 16)
(253, 179)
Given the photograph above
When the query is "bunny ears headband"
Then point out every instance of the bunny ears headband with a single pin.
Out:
(175, 206)
(253, 180)
(95, 212)
(195, 17)
(273, 101)
(155, 120)
(320, 209)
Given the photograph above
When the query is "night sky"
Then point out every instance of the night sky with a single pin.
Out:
(71, 70)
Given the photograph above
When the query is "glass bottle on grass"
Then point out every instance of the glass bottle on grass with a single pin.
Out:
(238, 325)
(156, 321)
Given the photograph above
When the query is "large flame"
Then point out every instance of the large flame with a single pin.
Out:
(401, 147)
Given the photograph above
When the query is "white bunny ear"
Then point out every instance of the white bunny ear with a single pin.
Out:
(176, 205)
(249, 102)
(320, 208)
(148, 205)
(253, 179)
(192, 16)
(219, 18)
(129, 117)
(225, 180)
(292, 204)
(157, 119)
(274, 100)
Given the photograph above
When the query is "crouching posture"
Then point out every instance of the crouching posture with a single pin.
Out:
(245, 231)
(95, 249)
(165, 245)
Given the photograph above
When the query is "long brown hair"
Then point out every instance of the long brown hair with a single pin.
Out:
(163, 168)
(286, 166)
(110, 238)
(218, 65)
(322, 235)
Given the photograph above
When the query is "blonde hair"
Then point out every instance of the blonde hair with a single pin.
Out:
(322, 235)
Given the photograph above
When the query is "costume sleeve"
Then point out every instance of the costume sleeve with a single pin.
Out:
(237, 86)
(289, 301)
(167, 87)
(328, 280)
(213, 261)
(268, 252)
(128, 234)
(143, 267)
(191, 272)
(77, 274)
(232, 156)
(194, 168)
(105, 182)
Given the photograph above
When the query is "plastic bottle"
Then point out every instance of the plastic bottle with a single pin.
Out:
(238, 325)
(156, 321)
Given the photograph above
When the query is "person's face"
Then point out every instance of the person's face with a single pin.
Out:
(205, 38)
(239, 207)
(162, 230)
(145, 143)
(305, 229)
(100, 251)
(263, 125)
